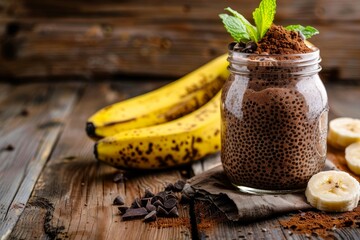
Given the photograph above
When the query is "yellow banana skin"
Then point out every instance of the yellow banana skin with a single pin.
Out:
(162, 105)
(171, 144)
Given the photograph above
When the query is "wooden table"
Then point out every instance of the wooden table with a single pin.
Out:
(53, 188)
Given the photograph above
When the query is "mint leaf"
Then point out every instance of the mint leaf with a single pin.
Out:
(264, 16)
(307, 31)
(251, 30)
(235, 27)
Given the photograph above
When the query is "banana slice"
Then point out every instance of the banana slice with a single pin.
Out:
(343, 132)
(333, 191)
(352, 156)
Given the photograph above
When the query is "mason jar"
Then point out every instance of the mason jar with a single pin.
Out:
(274, 116)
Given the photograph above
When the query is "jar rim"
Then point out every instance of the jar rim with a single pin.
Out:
(316, 51)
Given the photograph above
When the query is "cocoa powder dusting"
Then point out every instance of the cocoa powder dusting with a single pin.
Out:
(278, 40)
(321, 224)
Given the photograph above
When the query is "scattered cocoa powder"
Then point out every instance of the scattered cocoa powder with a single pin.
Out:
(321, 224)
(171, 222)
(278, 40)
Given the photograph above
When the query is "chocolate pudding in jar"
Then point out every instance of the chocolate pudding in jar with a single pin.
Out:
(274, 120)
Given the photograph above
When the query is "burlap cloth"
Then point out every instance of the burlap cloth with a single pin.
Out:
(213, 185)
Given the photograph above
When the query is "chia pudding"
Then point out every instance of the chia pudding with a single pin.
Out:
(274, 120)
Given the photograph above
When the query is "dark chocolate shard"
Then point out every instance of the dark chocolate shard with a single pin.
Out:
(170, 203)
(171, 195)
(150, 207)
(118, 201)
(161, 196)
(144, 201)
(150, 217)
(162, 212)
(136, 203)
(119, 177)
(123, 209)
(148, 194)
(134, 213)
(169, 187)
(158, 203)
(173, 212)
(179, 185)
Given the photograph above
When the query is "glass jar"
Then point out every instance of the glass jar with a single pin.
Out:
(273, 121)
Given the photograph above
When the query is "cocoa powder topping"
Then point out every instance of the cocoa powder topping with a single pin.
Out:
(278, 40)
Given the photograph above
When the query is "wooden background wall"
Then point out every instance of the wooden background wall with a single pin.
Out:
(93, 38)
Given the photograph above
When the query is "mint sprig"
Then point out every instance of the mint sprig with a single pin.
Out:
(243, 31)
(307, 31)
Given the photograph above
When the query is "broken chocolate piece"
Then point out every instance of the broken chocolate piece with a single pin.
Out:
(118, 201)
(170, 203)
(169, 187)
(162, 212)
(158, 203)
(179, 185)
(173, 212)
(148, 194)
(150, 217)
(134, 213)
(136, 203)
(144, 201)
(161, 195)
(150, 207)
(119, 177)
(123, 209)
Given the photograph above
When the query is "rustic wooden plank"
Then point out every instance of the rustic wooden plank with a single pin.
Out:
(57, 38)
(73, 196)
(32, 145)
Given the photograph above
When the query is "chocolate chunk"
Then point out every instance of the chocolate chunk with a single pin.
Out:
(134, 213)
(173, 212)
(123, 209)
(179, 185)
(170, 195)
(119, 177)
(118, 201)
(170, 203)
(24, 112)
(169, 187)
(9, 148)
(148, 194)
(150, 207)
(158, 203)
(162, 212)
(161, 196)
(251, 46)
(136, 203)
(144, 201)
(150, 217)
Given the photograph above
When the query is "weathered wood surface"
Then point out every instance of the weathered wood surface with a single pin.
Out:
(93, 38)
(72, 193)
(27, 139)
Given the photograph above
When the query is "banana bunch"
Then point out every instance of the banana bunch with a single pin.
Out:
(181, 141)
(162, 105)
(173, 125)
(333, 191)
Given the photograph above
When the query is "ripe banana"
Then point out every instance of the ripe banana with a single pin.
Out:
(333, 191)
(343, 132)
(174, 143)
(352, 157)
(162, 105)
